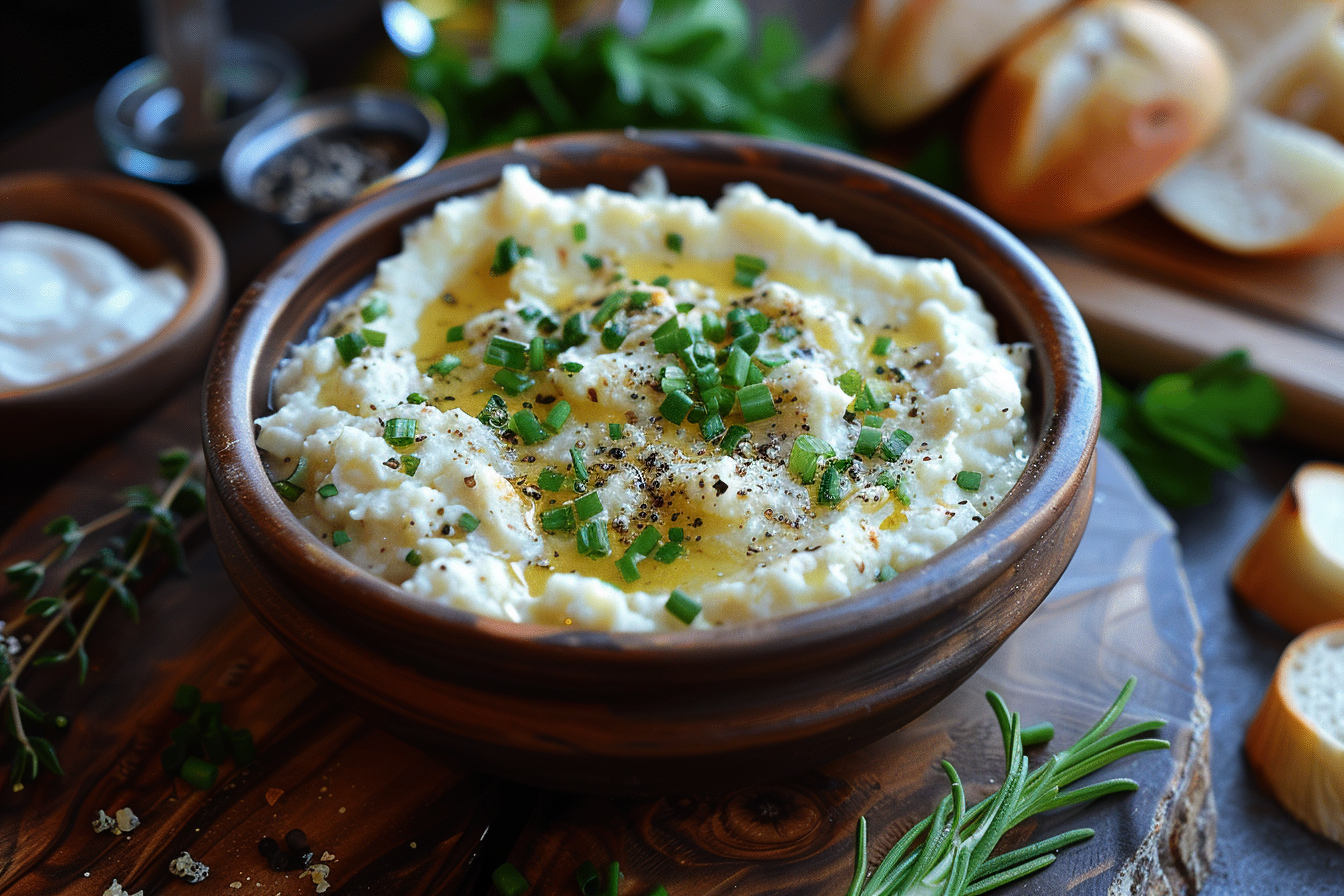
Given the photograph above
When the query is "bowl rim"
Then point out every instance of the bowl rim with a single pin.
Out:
(205, 271)
(1058, 460)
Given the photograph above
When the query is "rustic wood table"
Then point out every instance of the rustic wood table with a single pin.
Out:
(400, 821)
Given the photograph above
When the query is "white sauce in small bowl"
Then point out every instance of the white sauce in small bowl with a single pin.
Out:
(69, 302)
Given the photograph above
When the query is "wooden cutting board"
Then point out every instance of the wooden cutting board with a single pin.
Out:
(397, 820)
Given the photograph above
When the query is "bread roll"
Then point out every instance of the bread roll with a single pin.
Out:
(1081, 119)
(1295, 743)
(1293, 570)
(1264, 186)
(911, 55)
(1313, 92)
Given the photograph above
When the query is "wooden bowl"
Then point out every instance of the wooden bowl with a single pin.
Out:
(645, 712)
(148, 225)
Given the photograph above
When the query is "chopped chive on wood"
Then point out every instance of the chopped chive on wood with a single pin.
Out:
(832, 487)
(512, 381)
(968, 480)
(580, 468)
(350, 345)
(186, 698)
(340, 537)
(613, 335)
(592, 540)
(588, 506)
(445, 366)
(662, 280)
(504, 352)
(495, 414)
(416, 398)
(241, 747)
(409, 464)
(886, 573)
(558, 415)
(669, 552)
(375, 309)
(590, 882)
(509, 880)
(613, 879)
(615, 431)
(756, 401)
(199, 773)
(806, 454)
(735, 434)
(551, 480)
(869, 440)
(507, 254)
(559, 519)
(536, 353)
(413, 557)
(571, 367)
(676, 406)
(528, 427)
(682, 606)
(894, 445)
(457, 333)
(580, 231)
(676, 534)
(673, 241)
(328, 491)
(399, 431)
(645, 543)
(594, 263)
(375, 338)
(575, 332)
(628, 567)
(468, 522)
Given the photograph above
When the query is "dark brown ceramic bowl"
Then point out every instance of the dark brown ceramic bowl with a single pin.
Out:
(148, 225)
(646, 712)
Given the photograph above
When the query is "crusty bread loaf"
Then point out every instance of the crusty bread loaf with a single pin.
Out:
(1264, 186)
(1082, 118)
(1313, 91)
(1295, 743)
(911, 55)
(1293, 570)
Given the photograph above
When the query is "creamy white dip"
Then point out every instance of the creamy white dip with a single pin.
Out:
(855, 352)
(69, 302)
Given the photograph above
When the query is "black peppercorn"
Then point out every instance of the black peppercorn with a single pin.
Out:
(279, 860)
(296, 840)
(267, 847)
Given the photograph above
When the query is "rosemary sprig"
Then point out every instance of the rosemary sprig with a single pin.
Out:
(953, 857)
(82, 598)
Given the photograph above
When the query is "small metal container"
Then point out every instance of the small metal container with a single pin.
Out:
(305, 161)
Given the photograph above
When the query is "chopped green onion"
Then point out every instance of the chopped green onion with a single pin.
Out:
(571, 367)
(613, 336)
(886, 573)
(881, 345)
(186, 698)
(287, 487)
(413, 557)
(416, 398)
(673, 241)
(199, 773)
(736, 367)
(673, 342)
(340, 537)
(610, 305)
(719, 400)
(628, 568)
(399, 432)
(536, 353)
(851, 381)
(697, 413)
(874, 398)
(668, 326)
(758, 321)
(592, 539)
(757, 402)
(507, 254)
(676, 533)
(575, 332)
(903, 490)
(503, 352)
(241, 746)
(409, 464)
(560, 519)
(528, 427)
(594, 263)
(685, 307)
(673, 379)
(468, 522)
(669, 552)
(754, 375)
(806, 454)
(375, 338)
(968, 480)
(894, 445)
(551, 480)
(640, 299)
(548, 325)
(588, 506)
(376, 308)
(580, 469)
(645, 543)
(444, 367)
(530, 313)
(558, 415)
(707, 378)
(495, 414)
(832, 487)
(615, 431)
(786, 333)
(746, 269)
(457, 333)
(613, 879)
(735, 434)
(589, 880)
(682, 607)
(748, 342)
(676, 406)
(772, 360)
(580, 231)
(712, 427)
(872, 420)
(507, 879)
(513, 382)
(328, 491)
(868, 441)
(712, 328)
(350, 345)
(662, 280)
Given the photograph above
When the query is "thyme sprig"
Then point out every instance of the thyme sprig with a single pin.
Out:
(953, 858)
(82, 598)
